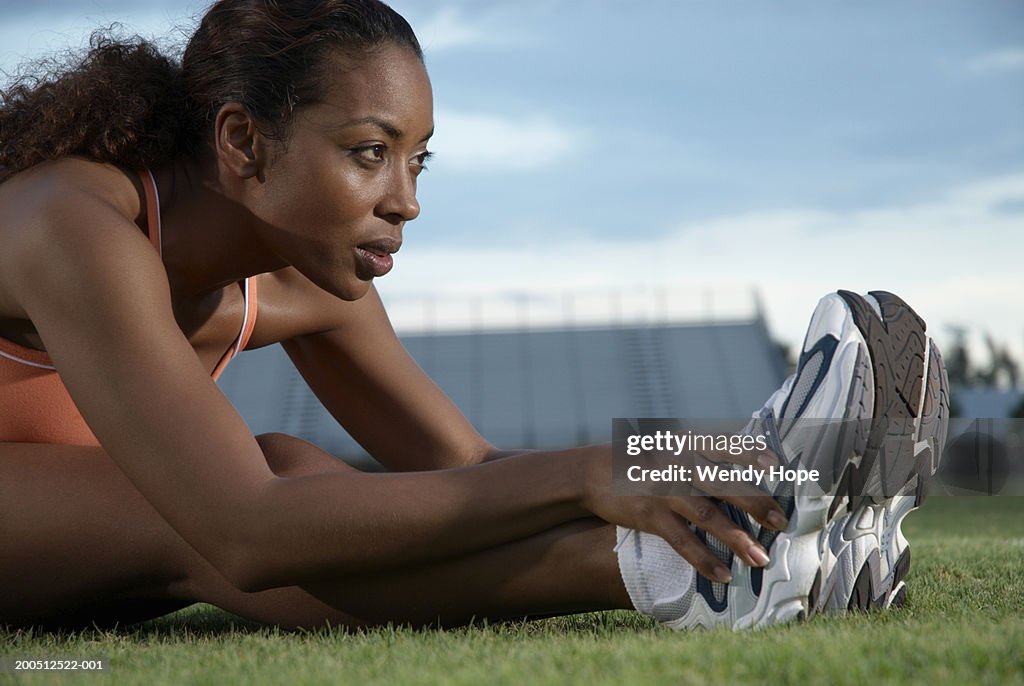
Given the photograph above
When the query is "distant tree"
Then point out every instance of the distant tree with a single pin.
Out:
(958, 363)
(1009, 367)
(1001, 367)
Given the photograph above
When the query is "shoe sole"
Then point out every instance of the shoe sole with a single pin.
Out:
(883, 584)
(898, 347)
(871, 544)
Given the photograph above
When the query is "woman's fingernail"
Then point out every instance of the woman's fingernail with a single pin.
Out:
(767, 461)
(777, 521)
(758, 555)
(723, 574)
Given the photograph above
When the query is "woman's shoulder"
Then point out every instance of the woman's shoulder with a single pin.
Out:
(58, 183)
(61, 209)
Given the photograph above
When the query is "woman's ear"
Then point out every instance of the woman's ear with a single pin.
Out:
(237, 141)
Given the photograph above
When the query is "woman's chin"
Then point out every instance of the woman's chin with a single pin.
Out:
(351, 288)
(346, 284)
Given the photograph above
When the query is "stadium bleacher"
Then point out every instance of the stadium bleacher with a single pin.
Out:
(546, 387)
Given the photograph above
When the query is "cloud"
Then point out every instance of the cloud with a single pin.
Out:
(1006, 59)
(956, 259)
(448, 29)
(491, 143)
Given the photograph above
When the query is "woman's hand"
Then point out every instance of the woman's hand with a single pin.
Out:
(670, 516)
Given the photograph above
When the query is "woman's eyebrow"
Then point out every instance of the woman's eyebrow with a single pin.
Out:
(390, 129)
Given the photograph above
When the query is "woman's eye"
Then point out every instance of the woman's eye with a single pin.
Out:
(420, 161)
(372, 153)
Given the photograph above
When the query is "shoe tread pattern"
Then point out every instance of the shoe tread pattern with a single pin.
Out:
(934, 420)
(906, 351)
(896, 344)
(906, 344)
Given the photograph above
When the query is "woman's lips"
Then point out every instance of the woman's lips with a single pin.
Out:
(374, 263)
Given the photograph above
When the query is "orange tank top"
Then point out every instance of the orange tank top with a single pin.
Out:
(34, 405)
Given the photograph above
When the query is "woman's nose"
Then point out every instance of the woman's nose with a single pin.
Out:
(399, 200)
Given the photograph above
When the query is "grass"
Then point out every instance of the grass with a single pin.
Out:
(963, 623)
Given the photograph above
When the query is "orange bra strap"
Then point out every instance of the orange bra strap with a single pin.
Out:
(215, 374)
(251, 309)
(152, 211)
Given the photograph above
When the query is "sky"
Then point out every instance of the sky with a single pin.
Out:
(607, 160)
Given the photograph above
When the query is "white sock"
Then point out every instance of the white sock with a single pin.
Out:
(659, 581)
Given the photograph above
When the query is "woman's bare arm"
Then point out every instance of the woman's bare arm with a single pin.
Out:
(364, 376)
(367, 380)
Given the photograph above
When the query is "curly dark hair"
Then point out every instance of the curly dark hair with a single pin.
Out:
(125, 102)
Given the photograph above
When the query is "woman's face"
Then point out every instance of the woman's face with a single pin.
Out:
(335, 199)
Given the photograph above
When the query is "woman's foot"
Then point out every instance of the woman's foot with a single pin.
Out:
(855, 411)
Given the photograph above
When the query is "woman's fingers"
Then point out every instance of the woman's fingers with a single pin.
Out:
(744, 494)
(677, 533)
(706, 515)
(763, 508)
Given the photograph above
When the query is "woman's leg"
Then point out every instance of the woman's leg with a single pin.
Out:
(78, 543)
(570, 568)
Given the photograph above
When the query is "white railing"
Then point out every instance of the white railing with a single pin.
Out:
(452, 312)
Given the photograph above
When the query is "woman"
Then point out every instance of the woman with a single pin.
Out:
(155, 221)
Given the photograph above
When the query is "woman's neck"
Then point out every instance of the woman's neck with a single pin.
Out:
(210, 239)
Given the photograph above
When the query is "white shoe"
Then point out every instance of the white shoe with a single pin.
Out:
(862, 411)
(819, 419)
